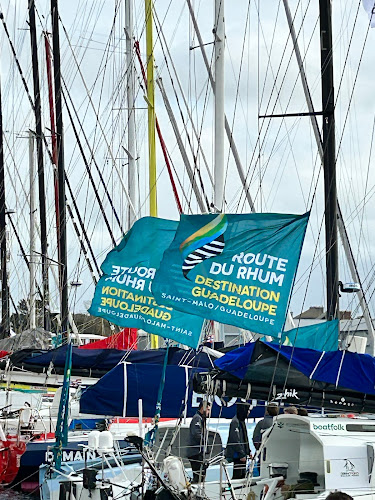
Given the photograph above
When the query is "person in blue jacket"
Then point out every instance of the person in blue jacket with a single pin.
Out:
(238, 448)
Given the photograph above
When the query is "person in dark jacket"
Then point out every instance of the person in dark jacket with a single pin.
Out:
(272, 410)
(238, 448)
(198, 441)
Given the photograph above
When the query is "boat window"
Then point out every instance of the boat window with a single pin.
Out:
(360, 428)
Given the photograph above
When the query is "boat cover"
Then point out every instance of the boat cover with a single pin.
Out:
(36, 338)
(118, 392)
(97, 362)
(338, 379)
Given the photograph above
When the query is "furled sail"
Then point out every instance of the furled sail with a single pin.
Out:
(97, 362)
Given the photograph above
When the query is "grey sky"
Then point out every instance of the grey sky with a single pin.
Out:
(283, 164)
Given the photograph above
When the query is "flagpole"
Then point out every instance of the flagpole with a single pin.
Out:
(151, 123)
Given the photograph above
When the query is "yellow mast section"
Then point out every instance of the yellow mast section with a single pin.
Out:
(151, 123)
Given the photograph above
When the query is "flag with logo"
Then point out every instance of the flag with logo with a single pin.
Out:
(123, 294)
(236, 269)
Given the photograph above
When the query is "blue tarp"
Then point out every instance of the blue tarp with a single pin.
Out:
(103, 360)
(340, 368)
(118, 392)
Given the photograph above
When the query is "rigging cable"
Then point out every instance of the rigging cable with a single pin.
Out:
(99, 124)
(161, 139)
(237, 92)
(166, 52)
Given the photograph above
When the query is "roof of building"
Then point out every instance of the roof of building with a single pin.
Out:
(317, 312)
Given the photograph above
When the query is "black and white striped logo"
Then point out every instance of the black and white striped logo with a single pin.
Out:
(212, 249)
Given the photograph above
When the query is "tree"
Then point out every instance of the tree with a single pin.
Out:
(20, 319)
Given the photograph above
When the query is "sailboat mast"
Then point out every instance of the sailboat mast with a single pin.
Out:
(39, 150)
(228, 129)
(219, 34)
(130, 95)
(60, 169)
(341, 226)
(151, 108)
(5, 324)
(329, 158)
(151, 123)
(32, 318)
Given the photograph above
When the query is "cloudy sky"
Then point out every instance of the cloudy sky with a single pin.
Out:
(279, 156)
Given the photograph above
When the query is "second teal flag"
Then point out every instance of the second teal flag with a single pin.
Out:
(123, 294)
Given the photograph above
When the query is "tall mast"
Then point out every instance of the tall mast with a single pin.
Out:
(329, 158)
(341, 227)
(130, 94)
(60, 169)
(39, 150)
(151, 123)
(219, 34)
(32, 319)
(5, 324)
(228, 129)
(151, 108)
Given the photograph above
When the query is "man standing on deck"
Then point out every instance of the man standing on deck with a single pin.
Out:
(198, 441)
(238, 449)
(272, 410)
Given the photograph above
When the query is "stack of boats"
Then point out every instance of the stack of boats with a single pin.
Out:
(300, 456)
(107, 455)
(30, 415)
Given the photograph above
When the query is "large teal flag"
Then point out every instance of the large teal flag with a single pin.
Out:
(321, 336)
(123, 294)
(235, 269)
